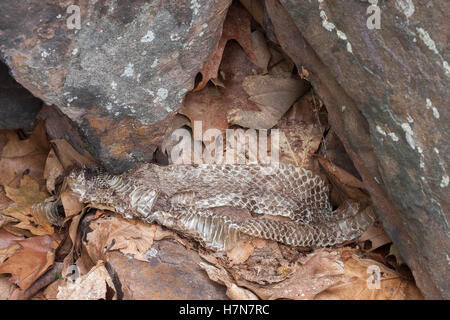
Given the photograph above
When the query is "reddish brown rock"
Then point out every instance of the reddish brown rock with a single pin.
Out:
(172, 272)
(386, 92)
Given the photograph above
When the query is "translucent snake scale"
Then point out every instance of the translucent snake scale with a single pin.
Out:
(182, 197)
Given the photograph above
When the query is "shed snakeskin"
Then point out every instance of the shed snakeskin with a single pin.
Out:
(181, 197)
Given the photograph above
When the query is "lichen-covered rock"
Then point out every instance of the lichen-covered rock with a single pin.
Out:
(387, 93)
(121, 73)
(18, 107)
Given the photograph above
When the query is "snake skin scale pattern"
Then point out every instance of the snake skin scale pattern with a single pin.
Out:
(182, 197)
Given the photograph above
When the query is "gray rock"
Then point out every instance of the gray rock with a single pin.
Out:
(126, 68)
(18, 107)
(389, 95)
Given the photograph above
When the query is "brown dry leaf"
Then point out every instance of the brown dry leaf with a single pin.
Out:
(5, 202)
(212, 104)
(333, 274)
(255, 8)
(95, 285)
(25, 197)
(207, 106)
(29, 263)
(7, 252)
(114, 233)
(6, 287)
(74, 236)
(377, 237)
(261, 50)
(69, 157)
(240, 252)
(273, 96)
(71, 203)
(24, 156)
(53, 170)
(393, 251)
(392, 286)
(220, 275)
(52, 289)
(236, 26)
(8, 245)
(280, 64)
(345, 182)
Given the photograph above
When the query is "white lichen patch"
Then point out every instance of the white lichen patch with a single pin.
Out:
(406, 7)
(341, 35)
(150, 92)
(325, 23)
(161, 95)
(429, 105)
(329, 26)
(435, 112)
(409, 135)
(349, 47)
(421, 163)
(174, 37)
(444, 181)
(128, 71)
(431, 45)
(393, 136)
(195, 6)
(381, 130)
(71, 99)
(149, 37)
(44, 54)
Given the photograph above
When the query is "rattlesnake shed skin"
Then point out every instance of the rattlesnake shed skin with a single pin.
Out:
(182, 198)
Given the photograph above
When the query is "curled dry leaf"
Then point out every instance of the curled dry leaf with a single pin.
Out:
(362, 285)
(95, 285)
(6, 287)
(25, 197)
(221, 276)
(71, 203)
(69, 157)
(236, 26)
(52, 171)
(255, 8)
(334, 274)
(273, 96)
(29, 263)
(114, 233)
(261, 50)
(346, 184)
(24, 156)
(393, 251)
(240, 252)
(377, 237)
